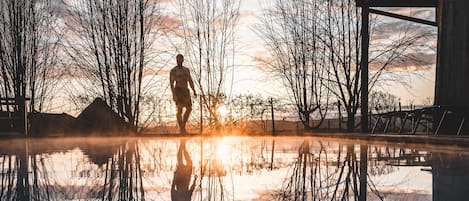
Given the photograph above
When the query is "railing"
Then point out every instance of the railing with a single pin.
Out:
(432, 119)
(13, 116)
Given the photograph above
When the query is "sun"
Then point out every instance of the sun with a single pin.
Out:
(223, 112)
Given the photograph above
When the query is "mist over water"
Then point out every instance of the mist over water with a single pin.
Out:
(228, 168)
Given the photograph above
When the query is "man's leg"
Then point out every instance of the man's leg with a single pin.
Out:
(186, 117)
(179, 155)
(187, 158)
(179, 119)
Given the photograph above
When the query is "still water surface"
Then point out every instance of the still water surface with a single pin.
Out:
(229, 168)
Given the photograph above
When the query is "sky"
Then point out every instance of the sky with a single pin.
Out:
(420, 78)
(249, 77)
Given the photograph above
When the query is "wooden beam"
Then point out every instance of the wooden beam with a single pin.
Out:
(452, 66)
(397, 3)
(403, 17)
(365, 43)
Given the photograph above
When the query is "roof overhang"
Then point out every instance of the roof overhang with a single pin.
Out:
(397, 3)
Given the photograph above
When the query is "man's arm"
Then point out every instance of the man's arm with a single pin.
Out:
(191, 83)
(171, 82)
(191, 189)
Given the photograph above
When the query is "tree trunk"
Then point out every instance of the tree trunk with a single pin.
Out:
(306, 122)
(350, 122)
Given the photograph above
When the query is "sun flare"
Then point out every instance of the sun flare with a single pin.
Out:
(223, 150)
(223, 111)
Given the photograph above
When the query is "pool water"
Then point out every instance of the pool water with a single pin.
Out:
(229, 168)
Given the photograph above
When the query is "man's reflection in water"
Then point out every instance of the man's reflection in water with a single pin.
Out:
(180, 190)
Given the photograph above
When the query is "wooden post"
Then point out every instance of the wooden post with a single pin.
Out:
(363, 172)
(201, 114)
(272, 114)
(22, 116)
(340, 115)
(365, 42)
(201, 166)
(272, 155)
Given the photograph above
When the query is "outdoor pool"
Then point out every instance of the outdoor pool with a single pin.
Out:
(229, 168)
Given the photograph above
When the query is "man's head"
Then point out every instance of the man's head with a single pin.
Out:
(179, 59)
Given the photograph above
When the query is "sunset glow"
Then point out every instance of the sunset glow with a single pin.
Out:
(77, 171)
(224, 100)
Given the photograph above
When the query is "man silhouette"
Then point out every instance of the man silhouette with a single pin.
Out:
(179, 77)
(180, 189)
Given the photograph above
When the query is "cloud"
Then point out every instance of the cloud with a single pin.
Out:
(414, 43)
(423, 13)
(408, 62)
(384, 27)
(247, 13)
(155, 72)
(170, 23)
(262, 60)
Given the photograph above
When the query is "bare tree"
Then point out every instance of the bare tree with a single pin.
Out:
(342, 39)
(315, 48)
(382, 101)
(208, 33)
(291, 30)
(28, 51)
(109, 43)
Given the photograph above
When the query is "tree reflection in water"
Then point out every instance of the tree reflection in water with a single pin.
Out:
(217, 168)
(315, 176)
(212, 170)
(24, 176)
(123, 175)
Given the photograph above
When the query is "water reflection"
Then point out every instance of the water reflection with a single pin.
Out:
(228, 169)
(321, 176)
(180, 190)
(123, 175)
(17, 182)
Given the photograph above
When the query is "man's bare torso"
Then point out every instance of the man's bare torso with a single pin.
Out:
(181, 76)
